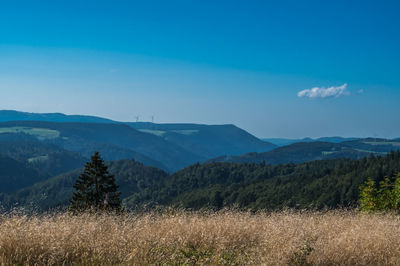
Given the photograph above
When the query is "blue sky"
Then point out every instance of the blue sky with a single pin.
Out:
(275, 68)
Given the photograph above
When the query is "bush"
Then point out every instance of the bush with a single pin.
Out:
(384, 197)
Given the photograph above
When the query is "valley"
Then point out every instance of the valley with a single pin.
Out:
(184, 165)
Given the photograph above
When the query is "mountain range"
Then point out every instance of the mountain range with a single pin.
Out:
(309, 151)
(284, 142)
(41, 156)
(167, 146)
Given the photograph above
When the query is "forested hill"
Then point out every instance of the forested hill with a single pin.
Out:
(12, 115)
(113, 141)
(16, 175)
(207, 141)
(309, 151)
(167, 146)
(48, 159)
(283, 142)
(131, 177)
(316, 184)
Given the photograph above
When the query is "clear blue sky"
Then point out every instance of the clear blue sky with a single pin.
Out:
(213, 62)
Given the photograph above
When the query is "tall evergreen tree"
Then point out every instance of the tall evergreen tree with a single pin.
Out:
(95, 188)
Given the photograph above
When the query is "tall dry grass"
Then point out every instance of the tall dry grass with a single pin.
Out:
(331, 238)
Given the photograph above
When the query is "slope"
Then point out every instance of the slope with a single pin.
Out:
(131, 177)
(284, 142)
(207, 140)
(11, 115)
(87, 137)
(200, 142)
(309, 151)
(46, 158)
(15, 175)
(317, 184)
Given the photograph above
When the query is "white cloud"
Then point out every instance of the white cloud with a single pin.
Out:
(319, 92)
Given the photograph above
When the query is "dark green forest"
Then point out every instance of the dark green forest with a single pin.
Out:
(312, 185)
(317, 184)
(131, 177)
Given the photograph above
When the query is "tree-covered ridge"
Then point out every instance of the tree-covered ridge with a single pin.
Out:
(208, 141)
(131, 177)
(167, 146)
(46, 158)
(16, 175)
(317, 184)
(309, 151)
(114, 141)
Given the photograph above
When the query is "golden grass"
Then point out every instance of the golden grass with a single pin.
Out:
(175, 238)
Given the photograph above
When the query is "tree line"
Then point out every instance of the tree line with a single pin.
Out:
(312, 185)
(316, 185)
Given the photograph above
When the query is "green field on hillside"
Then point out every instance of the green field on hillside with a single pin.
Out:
(394, 143)
(161, 133)
(38, 159)
(40, 133)
(186, 132)
(158, 133)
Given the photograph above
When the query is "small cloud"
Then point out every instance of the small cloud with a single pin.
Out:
(320, 92)
(114, 70)
(360, 91)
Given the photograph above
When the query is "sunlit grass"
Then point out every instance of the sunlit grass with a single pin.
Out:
(40, 133)
(175, 237)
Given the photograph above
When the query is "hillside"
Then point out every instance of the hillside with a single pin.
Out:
(167, 146)
(112, 140)
(284, 142)
(131, 177)
(207, 141)
(26, 160)
(11, 115)
(316, 184)
(15, 175)
(44, 157)
(309, 151)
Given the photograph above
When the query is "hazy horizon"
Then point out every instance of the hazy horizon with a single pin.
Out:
(260, 137)
(285, 69)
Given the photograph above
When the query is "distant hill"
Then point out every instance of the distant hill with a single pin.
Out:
(15, 175)
(24, 160)
(284, 142)
(11, 115)
(309, 151)
(336, 139)
(131, 177)
(46, 158)
(167, 146)
(206, 140)
(111, 140)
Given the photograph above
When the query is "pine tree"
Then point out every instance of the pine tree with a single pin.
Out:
(95, 188)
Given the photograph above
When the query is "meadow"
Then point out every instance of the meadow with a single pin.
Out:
(201, 238)
(40, 133)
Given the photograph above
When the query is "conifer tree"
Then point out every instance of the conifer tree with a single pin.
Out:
(95, 188)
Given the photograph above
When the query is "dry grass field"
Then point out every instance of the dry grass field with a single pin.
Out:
(176, 238)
